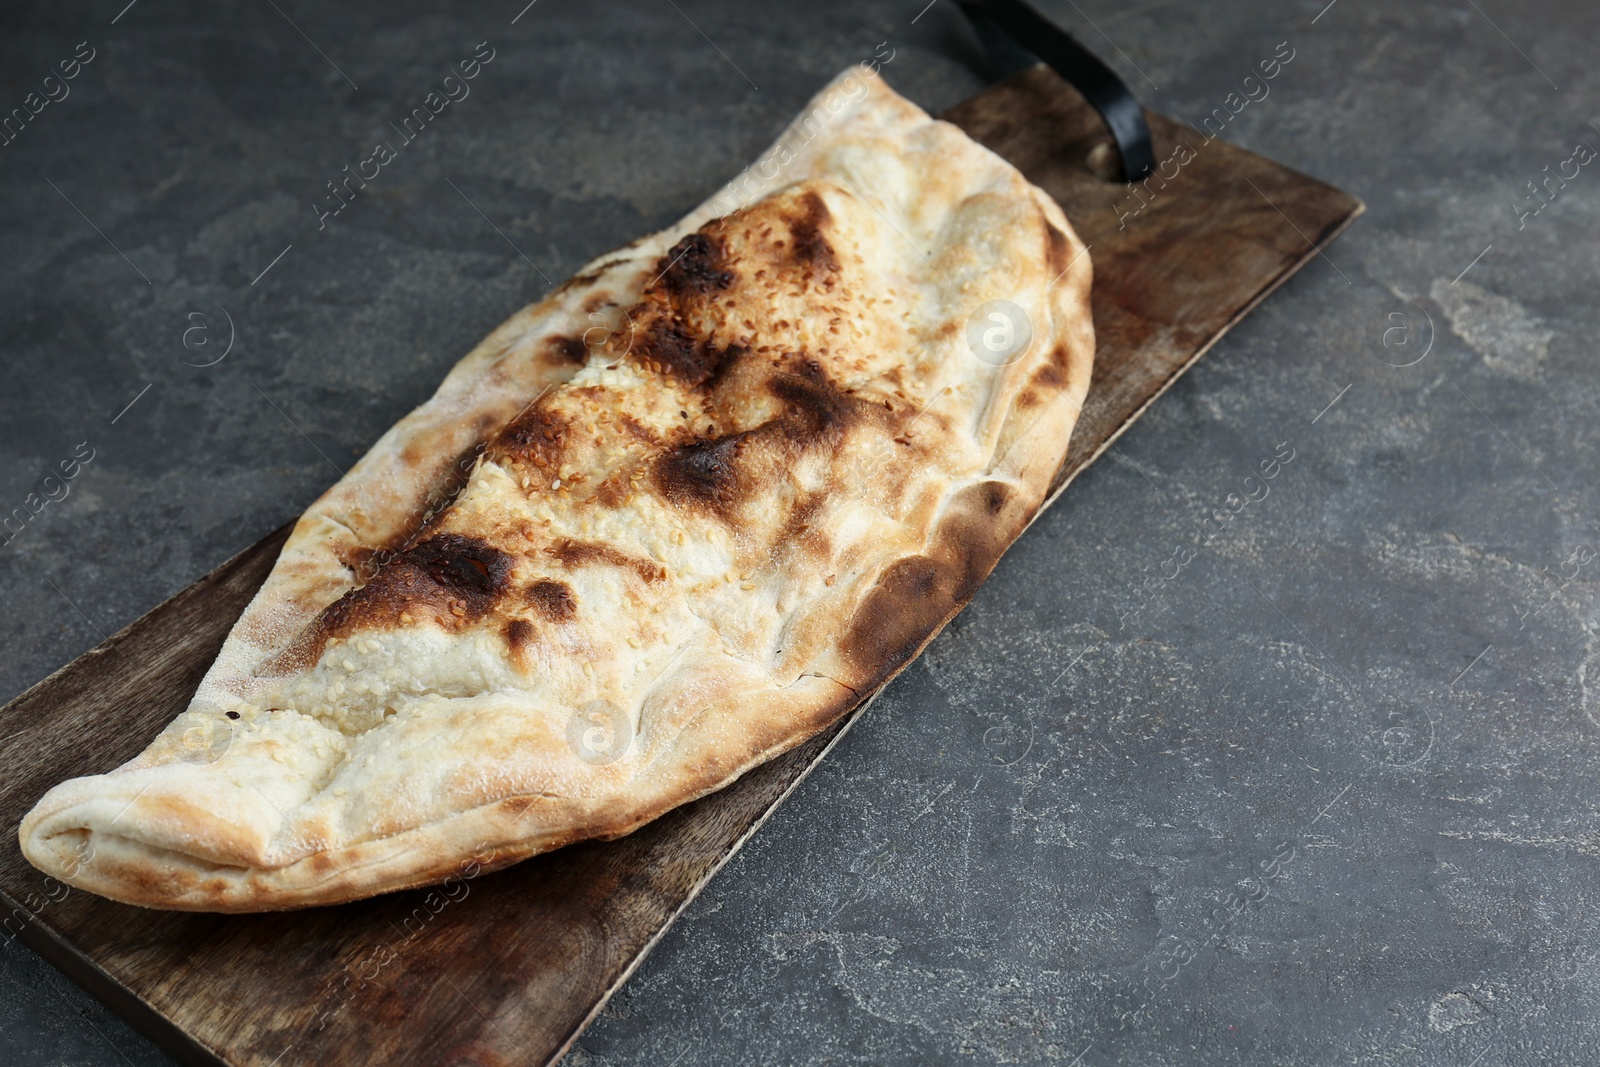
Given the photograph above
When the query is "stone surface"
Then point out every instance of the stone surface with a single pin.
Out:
(1321, 792)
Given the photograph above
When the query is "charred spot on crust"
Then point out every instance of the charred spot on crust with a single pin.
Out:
(695, 265)
(446, 484)
(637, 430)
(907, 604)
(469, 567)
(451, 578)
(701, 473)
(574, 554)
(518, 634)
(917, 595)
(798, 528)
(810, 247)
(362, 561)
(676, 350)
(816, 410)
(552, 599)
(1050, 377)
(465, 569)
(995, 495)
(537, 436)
(1056, 250)
(669, 343)
(571, 349)
(614, 491)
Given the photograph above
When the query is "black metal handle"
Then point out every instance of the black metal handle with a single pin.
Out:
(1007, 25)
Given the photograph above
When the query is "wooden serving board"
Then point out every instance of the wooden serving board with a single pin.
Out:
(515, 965)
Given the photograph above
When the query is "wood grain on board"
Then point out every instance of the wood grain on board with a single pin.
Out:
(510, 967)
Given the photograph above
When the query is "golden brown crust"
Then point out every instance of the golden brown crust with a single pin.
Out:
(567, 594)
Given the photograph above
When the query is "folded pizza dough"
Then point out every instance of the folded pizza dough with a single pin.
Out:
(659, 527)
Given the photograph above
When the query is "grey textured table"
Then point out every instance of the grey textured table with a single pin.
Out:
(1323, 793)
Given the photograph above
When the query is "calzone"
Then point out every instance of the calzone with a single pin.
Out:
(666, 523)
